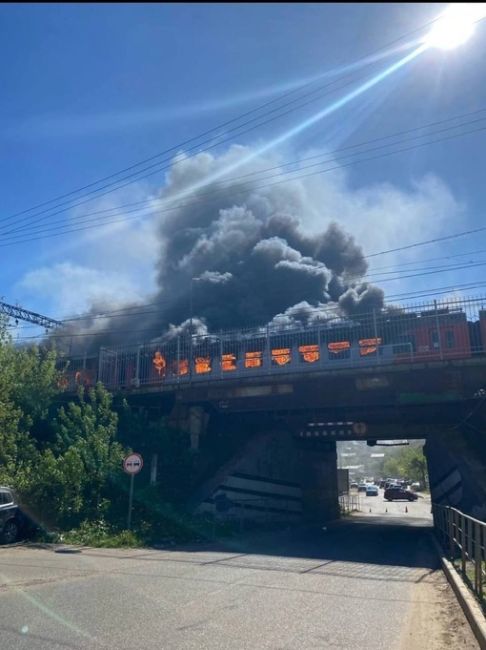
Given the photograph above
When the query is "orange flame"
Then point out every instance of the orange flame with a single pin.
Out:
(368, 346)
(310, 353)
(181, 367)
(228, 362)
(253, 359)
(281, 356)
(338, 346)
(159, 363)
(203, 365)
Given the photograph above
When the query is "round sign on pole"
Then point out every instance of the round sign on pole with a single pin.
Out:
(359, 428)
(132, 463)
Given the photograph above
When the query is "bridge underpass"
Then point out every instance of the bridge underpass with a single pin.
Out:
(279, 433)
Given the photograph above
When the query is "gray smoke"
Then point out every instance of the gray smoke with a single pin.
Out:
(238, 254)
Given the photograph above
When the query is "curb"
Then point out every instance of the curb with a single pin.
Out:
(467, 600)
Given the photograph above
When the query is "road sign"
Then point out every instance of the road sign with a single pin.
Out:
(132, 463)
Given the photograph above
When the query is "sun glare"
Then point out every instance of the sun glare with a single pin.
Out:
(456, 25)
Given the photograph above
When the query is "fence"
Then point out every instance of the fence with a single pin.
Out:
(464, 540)
(349, 503)
(439, 331)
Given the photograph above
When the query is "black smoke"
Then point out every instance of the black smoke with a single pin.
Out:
(238, 255)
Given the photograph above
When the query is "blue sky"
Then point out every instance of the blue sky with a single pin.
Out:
(90, 89)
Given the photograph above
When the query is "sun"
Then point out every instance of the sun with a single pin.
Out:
(455, 25)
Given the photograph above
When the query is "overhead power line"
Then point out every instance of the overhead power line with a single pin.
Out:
(328, 156)
(42, 233)
(207, 132)
(323, 309)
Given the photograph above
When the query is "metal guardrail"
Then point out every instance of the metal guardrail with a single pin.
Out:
(349, 503)
(452, 330)
(464, 540)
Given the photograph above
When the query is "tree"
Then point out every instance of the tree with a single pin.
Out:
(16, 446)
(409, 463)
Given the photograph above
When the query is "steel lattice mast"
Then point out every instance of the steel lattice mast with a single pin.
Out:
(30, 316)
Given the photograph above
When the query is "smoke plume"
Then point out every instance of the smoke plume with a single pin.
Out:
(237, 254)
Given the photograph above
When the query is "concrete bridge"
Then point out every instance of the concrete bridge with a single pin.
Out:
(279, 397)
(285, 427)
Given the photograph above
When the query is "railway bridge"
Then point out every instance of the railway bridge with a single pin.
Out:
(279, 397)
(283, 429)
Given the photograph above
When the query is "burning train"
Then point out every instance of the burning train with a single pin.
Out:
(451, 332)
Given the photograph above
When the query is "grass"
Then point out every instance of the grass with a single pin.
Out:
(169, 528)
(469, 578)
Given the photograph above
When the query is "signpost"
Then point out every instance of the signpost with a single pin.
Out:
(132, 464)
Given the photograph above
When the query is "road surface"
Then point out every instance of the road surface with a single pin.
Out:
(370, 582)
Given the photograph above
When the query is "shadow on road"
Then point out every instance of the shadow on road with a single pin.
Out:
(370, 548)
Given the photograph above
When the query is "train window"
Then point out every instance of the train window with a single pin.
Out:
(253, 359)
(309, 353)
(228, 362)
(339, 349)
(159, 363)
(369, 346)
(406, 343)
(181, 367)
(280, 356)
(401, 348)
(450, 339)
(202, 365)
(434, 339)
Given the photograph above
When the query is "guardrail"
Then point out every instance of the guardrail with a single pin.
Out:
(349, 503)
(464, 540)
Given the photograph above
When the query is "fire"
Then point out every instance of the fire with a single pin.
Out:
(368, 346)
(253, 359)
(203, 365)
(338, 346)
(228, 362)
(310, 353)
(281, 356)
(181, 367)
(63, 382)
(159, 363)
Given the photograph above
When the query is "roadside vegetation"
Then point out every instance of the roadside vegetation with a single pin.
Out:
(63, 457)
(408, 462)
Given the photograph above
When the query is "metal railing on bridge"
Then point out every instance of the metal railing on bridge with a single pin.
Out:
(349, 503)
(440, 331)
(464, 541)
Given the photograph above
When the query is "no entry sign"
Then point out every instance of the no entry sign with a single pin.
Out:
(132, 463)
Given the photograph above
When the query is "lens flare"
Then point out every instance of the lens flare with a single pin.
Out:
(302, 126)
(456, 25)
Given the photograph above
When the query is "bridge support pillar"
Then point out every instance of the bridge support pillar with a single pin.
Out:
(196, 424)
(318, 478)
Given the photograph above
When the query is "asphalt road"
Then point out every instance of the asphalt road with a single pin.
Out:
(371, 582)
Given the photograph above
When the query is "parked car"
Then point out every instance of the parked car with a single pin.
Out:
(9, 516)
(354, 486)
(398, 493)
(371, 491)
(362, 487)
(14, 523)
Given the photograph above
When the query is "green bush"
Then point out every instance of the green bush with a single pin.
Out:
(102, 535)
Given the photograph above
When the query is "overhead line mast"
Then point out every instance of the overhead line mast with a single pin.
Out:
(30, 316)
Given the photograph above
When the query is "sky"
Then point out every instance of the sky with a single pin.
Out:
(88, 90)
